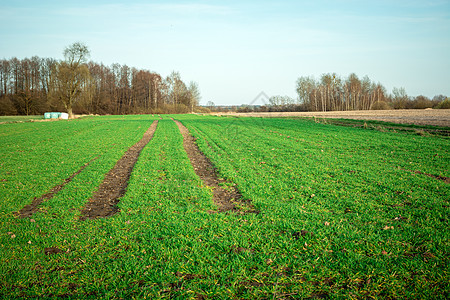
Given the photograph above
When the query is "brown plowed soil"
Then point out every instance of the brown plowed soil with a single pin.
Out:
(225, 199)
(103, 202)
(30, 209)
(435, 117)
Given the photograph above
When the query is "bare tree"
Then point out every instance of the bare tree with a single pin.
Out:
(156, 88)
(194, 93)
(305, 86)
(210, 105)
(400, 98)
(5, 76)
(280, 100)
(175, 87)
(71, 75)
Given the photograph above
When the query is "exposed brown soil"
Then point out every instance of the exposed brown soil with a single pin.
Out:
(103, 202)
(225, 199)
(436, 117)
(443, 178)
(397, 127)
(52, 250)
(32, 208)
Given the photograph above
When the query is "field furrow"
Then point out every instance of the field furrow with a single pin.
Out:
(32, 208)
(226, 198)
(103, 202)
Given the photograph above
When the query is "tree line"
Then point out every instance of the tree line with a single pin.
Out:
(334, 93)
(36, 85)
(331, 93)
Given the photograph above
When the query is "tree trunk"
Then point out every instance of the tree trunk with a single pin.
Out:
(70, 112)
(155, 92)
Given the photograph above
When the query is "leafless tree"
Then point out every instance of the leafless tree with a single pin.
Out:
(70, 76)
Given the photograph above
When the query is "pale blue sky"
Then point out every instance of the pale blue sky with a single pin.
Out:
(236, 49)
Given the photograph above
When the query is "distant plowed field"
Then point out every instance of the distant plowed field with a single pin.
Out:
(435, 117)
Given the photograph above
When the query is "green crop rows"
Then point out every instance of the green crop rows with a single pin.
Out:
(343, 212)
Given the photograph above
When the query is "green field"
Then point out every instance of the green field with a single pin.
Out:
(343, 212)
(14, 119)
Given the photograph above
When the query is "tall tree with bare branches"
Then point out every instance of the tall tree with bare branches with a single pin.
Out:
(71, 75)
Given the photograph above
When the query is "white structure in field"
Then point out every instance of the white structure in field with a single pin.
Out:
(56, 115)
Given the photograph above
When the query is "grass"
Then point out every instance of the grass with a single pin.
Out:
(342, 214)
(14, 119)
(383, 126)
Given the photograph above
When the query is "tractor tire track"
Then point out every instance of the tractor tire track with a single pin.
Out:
(104, 201)
(30, 209)
(225, 199)
(442, 178)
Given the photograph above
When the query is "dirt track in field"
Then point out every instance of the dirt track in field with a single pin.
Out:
(225, 199)
(32, 208)
(443, 178)
(103, 202)
(435, 117)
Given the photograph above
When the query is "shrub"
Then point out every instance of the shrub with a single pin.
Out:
(444, 104)
(400, 103)
(200, 109)
(7, 107)
(380, 105)
(422, 102)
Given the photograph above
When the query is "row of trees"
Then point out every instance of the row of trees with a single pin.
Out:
(331, 93)
(36, 85)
